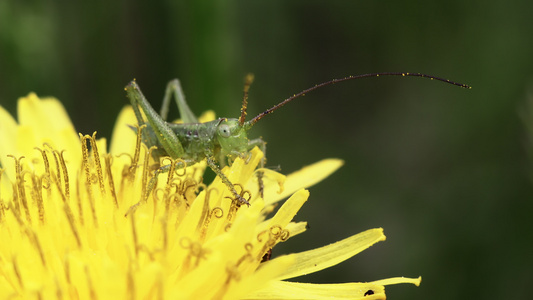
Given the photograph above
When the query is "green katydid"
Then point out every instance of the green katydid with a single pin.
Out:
(218, 140)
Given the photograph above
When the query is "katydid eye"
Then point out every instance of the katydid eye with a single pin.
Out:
(224, 130)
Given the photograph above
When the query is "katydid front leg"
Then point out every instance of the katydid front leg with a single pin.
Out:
(212, 164)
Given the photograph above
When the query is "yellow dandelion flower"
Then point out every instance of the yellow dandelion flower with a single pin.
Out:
(74, 223)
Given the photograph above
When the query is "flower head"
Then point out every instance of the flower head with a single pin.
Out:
(79, 222)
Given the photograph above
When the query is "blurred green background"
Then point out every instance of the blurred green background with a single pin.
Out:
(444, 170)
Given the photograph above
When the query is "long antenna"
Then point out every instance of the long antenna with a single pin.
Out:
(302, 93)
(247, 82)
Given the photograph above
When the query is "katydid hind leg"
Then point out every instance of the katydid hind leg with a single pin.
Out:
(164, 134)
(186, 114)
(148, 139)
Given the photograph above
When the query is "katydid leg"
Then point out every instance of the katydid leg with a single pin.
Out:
(186, 115)
(212, 164)
(164, 134)
(259, 142)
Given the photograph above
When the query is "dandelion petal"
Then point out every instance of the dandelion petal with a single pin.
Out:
(398, 280)
(296, 290)
(330, 255)
(303, 178)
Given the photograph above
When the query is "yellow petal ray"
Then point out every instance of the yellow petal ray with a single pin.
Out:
(303, 178)
(49, 122)
(6, 121)
(296, 228)
(25, 145)
(295, 290)
(241, 170)
(40, 121)
(318, 259)
(8, 134)
(398, 280)
(33, 111)
(273, 183)
(260, 278)
(224, 250)
(203, 280)
(286, 212)
(289, 209)
(8, 129)
(207, 116)
(123, 138)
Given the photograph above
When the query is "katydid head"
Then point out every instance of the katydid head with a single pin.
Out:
(232, 137)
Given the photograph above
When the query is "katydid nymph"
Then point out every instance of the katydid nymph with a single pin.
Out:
(218, 140)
